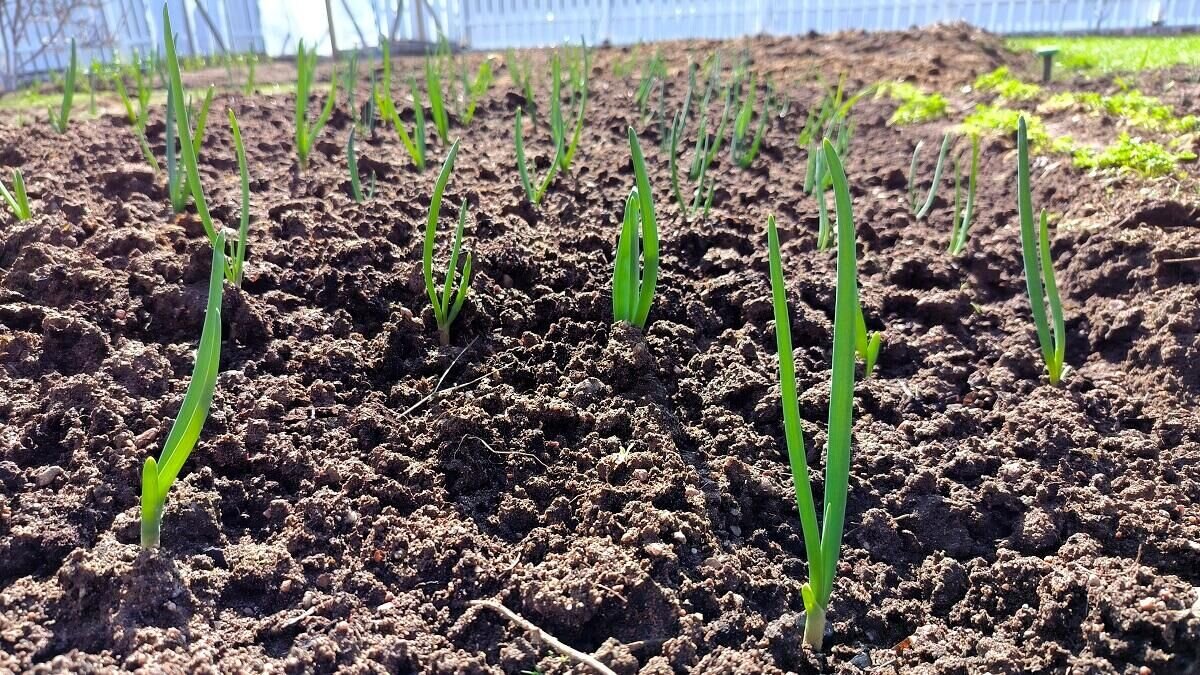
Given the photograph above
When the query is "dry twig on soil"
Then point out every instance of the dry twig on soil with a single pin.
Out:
(553, 642)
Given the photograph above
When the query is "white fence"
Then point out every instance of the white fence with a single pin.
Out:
(107, 27)
(496, 24)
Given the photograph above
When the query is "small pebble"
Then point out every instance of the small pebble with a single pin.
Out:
(47, 475)
(657, 550)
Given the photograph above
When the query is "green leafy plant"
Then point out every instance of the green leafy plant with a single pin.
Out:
(60, 120)
(18, 199)
(633, 288)
(1039, 268)
(1003, 83)
(947, 143)
(414, 144)
(308, 130)
(962, 216)
(1132, 107)
(988, 120)
(159, 475)
(822, 539)
(916, 106)
(447, 304)
(1128, 154)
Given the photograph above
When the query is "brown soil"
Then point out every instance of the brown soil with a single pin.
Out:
(627, 492)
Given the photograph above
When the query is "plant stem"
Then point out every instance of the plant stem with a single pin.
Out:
(814, 627)
(152, 529)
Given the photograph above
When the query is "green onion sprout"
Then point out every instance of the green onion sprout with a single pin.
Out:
(633, 289)
(18, 199)
(414, 144)
(947, 141)
(59, 120)
(158, 475)
(1039, 267)
(963, 216)
(306, 130)
(822, 542)
(446, 306)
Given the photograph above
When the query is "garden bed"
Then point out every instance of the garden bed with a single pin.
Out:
(626, 491)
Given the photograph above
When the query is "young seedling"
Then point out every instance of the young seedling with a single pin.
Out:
(947, 142)
(633, 289)
(191, 168)
(437, 107)
(446, 305)
(251, 63)
(821, 180)
(158, 475)
(415, 144)
(699, 194)
(476, 89)
(351, 81)
(306, 130)
(239, 251)
(93, 78)
(352, 167)
(1039, 267)
(139, 118)
(867, 344)
(368, 109)
(59, 120)
(742, 152)
(532, 192)
(521, 73)
(177, 187)
(18, 199)
(652, 71)
(822, 540)
(567, 155)
(962, 217)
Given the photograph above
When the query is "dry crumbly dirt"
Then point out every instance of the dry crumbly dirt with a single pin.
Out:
(627, 492)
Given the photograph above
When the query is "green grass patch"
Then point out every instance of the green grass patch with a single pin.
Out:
(1004, 84)
(1132, 154)
(915, 106)
(1107, 54)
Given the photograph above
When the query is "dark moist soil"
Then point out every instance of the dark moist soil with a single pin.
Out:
(627, 492)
